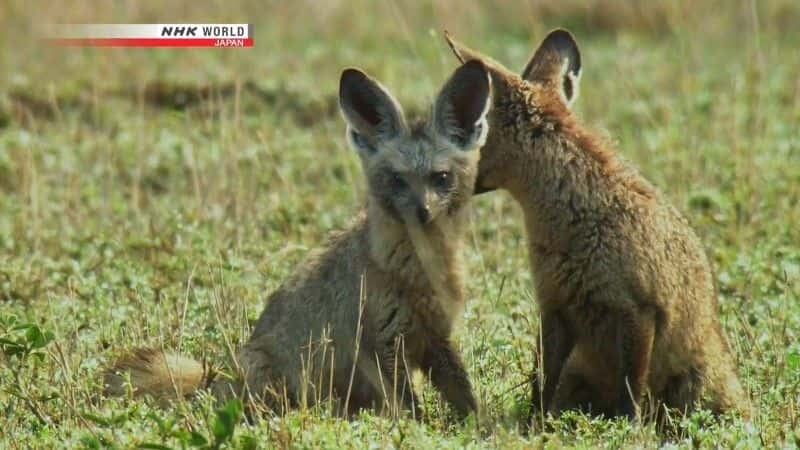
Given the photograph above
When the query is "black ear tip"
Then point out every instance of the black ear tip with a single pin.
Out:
(475, 64)
(562, 40)
(350, 75)
(562, 36)
(476, 68)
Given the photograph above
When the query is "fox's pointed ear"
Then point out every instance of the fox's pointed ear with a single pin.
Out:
(372, 114)
(557, 61)
(500, 76)
(459, 114)
(461, 51)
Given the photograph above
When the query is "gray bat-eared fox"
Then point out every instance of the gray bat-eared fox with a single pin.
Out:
(379, 301)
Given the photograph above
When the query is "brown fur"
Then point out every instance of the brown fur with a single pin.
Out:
(381, 299)
(625, 290)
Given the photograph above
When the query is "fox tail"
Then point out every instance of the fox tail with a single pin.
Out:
(162, 375)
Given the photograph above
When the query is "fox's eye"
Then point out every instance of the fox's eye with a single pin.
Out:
(442, 180)
(397, 182)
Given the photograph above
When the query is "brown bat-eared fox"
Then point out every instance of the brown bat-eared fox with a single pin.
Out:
(625, 290)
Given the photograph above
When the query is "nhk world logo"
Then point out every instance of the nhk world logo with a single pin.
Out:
(152, 35)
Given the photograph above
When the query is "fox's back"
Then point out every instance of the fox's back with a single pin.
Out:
(318, 305)
(635, 235)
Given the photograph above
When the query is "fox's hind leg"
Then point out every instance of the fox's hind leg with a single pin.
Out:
(716, 389)
(682, 392)
(258, 379)
(607, 370)
(575, 391)
(723, 391)
(616, 349)
(679, 396)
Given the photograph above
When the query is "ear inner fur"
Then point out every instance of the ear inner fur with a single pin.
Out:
(461, 107)
(368, 107)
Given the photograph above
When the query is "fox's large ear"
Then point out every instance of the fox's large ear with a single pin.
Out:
(558, 62)
(459, 114)
(372, 114)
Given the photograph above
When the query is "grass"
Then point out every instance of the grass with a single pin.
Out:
(156, 197)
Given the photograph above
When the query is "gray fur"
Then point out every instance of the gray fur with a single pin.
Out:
(380, 300)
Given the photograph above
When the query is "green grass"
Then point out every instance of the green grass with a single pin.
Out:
(156, 197)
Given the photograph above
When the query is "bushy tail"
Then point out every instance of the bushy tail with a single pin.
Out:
(163, 375)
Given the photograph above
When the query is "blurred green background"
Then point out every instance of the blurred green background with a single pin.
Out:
(155, 197)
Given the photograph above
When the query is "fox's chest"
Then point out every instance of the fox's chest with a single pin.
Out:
(413, 313)
(428, 320)
(433, 314)
(555, 277)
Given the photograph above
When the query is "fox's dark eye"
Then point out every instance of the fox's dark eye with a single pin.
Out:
(442, 180)
(396, 181)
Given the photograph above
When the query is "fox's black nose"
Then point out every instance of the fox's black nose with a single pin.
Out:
(423, 214)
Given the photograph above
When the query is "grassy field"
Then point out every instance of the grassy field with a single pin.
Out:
(156, 197)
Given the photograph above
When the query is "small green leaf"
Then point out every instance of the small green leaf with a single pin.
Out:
(11, 348)
(154, 446)
(227, 418)
(793, 360)
(248, 443)
(90, 442)
(197, 440)
(99, 420)
(119, 419)
(36, 338)
(157, 419)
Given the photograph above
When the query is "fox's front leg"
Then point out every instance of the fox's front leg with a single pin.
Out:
(555, 346)
(396, 377)
(448, 375)
(635, 333)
